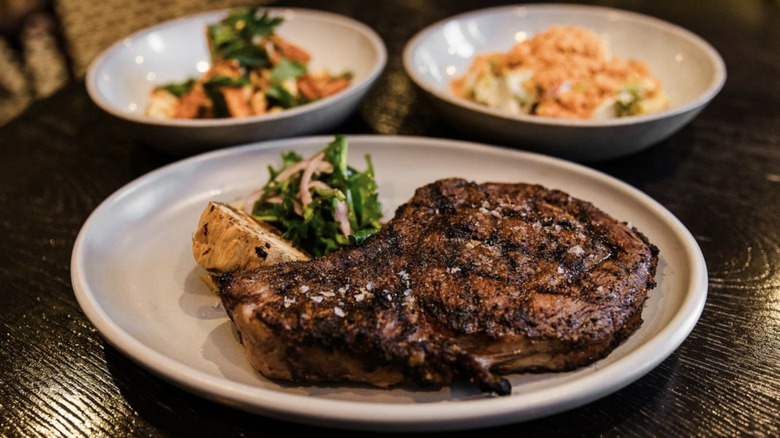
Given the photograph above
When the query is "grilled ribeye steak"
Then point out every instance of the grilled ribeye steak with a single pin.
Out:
(468, 281)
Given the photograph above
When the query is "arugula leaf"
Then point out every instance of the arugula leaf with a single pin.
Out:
(179, 89)
(248, 55)
(218, 101)
(220, 36)
(336, 154)
(287, 69)
(316, 230)
(277, 95)
(365, 195)
(262, 26)
(360, 236)
(234, 37)
(226, 81)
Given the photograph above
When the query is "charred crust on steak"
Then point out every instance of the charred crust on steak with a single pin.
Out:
(467, 281)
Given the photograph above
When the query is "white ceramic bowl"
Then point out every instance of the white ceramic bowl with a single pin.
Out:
(121, 78)
(690, 71)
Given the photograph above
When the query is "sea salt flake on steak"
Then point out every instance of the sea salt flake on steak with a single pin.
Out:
(477, 281)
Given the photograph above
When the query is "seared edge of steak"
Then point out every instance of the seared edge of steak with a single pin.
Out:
(467, 280)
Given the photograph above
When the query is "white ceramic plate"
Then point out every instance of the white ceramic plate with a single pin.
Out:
(135, 278)
(120, 79)
(690, 70)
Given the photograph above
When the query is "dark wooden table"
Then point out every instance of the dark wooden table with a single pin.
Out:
(720, 176)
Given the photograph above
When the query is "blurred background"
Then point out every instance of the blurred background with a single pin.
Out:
(44, 43)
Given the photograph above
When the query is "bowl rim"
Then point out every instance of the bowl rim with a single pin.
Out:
(713, 88)
(375, 41)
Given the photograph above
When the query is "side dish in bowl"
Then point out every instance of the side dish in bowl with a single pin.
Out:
(234, 76)
(565, 72)
(253, 71)
(627, 81)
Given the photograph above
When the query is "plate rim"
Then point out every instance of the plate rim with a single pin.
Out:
(437, 416)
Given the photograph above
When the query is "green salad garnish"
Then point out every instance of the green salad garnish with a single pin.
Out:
(321, 203)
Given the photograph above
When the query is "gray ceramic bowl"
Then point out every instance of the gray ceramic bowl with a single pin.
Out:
(121, 78)
(690, 71)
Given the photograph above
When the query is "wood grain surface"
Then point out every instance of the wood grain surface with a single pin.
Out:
(720, 176)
